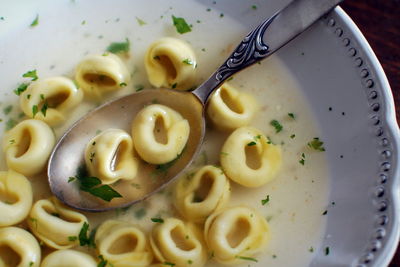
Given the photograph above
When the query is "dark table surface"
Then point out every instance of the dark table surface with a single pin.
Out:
(379, 21)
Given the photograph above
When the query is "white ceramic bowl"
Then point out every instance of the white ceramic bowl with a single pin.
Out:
(337, 71)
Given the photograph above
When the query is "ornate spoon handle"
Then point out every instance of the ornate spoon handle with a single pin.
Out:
(266, 38)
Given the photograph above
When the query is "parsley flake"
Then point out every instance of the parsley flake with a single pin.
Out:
(44, 109)
(35, 110)
(327, 250)
(311, 249)
(84, 238)
(10, 123)
(122, 84)
(169, 264)
(157, 220)
(278, 127)
(180, 25)
(72, 238)
(7, 109)
(254, 7)
(291, 115)
(103, 262)
(265, 201)
(252, 143)
(316, 144)
(140, 21)
(325, 212)
(21, 88)
(139, 87)
(71, 179)
(302, 160)
(121, 47)
(293, 136)
(188, 61)
(31, 74)
(35, 22)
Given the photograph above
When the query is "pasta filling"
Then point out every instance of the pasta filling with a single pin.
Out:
(24, 143)
(160, 133)
(124, 244)
(9, 256)
(99, 79)
(253, 157)
(230, 102)
(181, 239)
(205, 184)
(238, 232)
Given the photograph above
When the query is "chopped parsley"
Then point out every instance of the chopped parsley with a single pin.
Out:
(311, 249)
(247, 258)
(10, 123)
(12, 141)
(157, 220)
(31, 74)
(293, 136)
(35, 22)
(35, 110)
(31, 263)
(174, 85)
(316, 144)
(140, 21)
(252, 143)
(180, 25)
(163, 168)
(325, 212)
(122, 84)
(122, 47)
(103, 262)
(72, 238)
(224, 153)
(93, 186)
(278, 127)
(188, 61)
(139, 87)
(291, 115)
(86, 239)
(265, 201)
(44, 109)
(21, 88)
(327, 250)
(169, 264)
(254, 7)
(71, 179)
(7, 109)
(302, 160)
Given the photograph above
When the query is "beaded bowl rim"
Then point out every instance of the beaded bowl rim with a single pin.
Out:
(345, 29)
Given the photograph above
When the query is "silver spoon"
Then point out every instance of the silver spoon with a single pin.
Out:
(67, 155)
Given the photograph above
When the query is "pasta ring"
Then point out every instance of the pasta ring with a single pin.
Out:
(67, 258)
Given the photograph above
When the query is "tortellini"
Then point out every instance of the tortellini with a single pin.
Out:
(99, 74)
(15, 198)
(123, 244)
(204, 193)
(179, 243)
(229, 109)
(55, 224)
(159, 134)
(18, 248)
(110, 156)
(170, 63)
(28, 146)
(68, 258)
(234, 233)
(49, 99)
(249, 158)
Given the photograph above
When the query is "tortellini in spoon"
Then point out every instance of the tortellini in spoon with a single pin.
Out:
(159, 134)
(199, 196)
(18, 248)
(99, 74)
(50, 99)
(123, 244)
(55, 224)
(236, 233)
(170, 63)
(27, 146)
(249, 158)
(15, 198)
(229, 109)
(110, 156)
(179, 243)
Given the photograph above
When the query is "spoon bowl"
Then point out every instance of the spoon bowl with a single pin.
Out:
(263, 41)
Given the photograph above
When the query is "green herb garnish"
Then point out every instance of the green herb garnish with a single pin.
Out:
(139, 87)
(188, 61)
(311, 249)
(84, 238)
(254, 7)
(71, 179)
(72, 238)
(122, 84)
(157, 220)
(10, 123)
(103, 262)
(293, 136)
(265, 201)
(325, 212)
(278, 127)
(31, 74)
(35, 110)
(291, 115)
(252, 143)
(327, 250)
(140, 21)
(302, 160)
(7, 109)
(169, 264)
(316, 144)
(21, 88)
(44, 109)
(35, 22)
(180, 25)
(119, 47)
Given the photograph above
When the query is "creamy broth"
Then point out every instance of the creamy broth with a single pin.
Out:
(297, 197)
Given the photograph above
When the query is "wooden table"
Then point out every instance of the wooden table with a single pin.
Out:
(379, 21)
